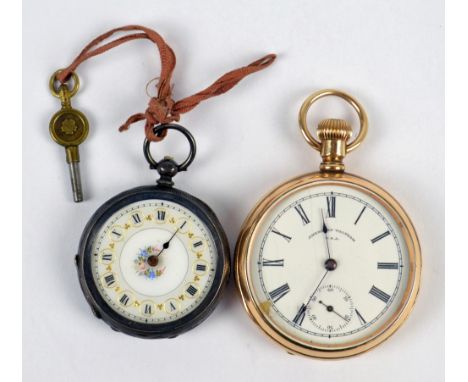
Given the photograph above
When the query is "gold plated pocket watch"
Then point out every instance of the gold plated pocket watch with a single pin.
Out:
(328, 264)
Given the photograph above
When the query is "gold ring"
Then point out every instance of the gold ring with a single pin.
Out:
(74, 89)
(337, 93)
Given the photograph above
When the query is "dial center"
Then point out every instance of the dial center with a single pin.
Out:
(330, 265)
(148, 271)
(152, 260)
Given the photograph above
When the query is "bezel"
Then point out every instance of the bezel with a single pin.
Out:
(139, 329)
(244, 251)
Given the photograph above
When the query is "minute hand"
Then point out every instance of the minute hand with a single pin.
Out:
(166, 244)
(325, 231)
(315, 291)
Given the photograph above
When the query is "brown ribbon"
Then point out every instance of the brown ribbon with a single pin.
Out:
(162, 108)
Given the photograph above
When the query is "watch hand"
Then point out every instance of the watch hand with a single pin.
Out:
(153, 259)
(325, 230)
(339, 315)
(313, 293)
(301, 312)
(331, 309)
(166, 244)
(324, 226)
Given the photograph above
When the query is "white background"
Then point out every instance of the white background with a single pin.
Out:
(389, 54)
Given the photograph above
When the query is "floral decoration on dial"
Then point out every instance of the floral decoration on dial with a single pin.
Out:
(142, 265)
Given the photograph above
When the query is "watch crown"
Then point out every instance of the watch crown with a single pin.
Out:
(333, 135)
(334, 129)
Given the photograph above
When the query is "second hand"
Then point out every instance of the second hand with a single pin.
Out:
(330, 308)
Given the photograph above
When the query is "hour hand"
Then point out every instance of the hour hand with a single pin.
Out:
(324, 226)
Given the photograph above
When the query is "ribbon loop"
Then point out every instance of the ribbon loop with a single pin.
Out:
(163, 108)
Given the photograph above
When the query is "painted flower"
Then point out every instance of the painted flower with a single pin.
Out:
(141, 262)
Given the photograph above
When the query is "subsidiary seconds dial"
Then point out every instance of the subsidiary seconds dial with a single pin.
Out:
(330, 309)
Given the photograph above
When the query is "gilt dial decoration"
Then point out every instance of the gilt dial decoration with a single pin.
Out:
(154, 261)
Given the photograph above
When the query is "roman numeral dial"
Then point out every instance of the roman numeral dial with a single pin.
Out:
(380, 237)
(148, 308)
(302, 214)
(136, 218)
(331, 206)
(360, 215)
(328, 265)
(155, 261)
(300, 315)
(279, 292)
(377, 293)
(388, 266)
(126, 299)
(284, 236)
(273, 263)
(360, 317)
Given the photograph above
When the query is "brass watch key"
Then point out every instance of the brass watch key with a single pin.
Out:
(69, 128)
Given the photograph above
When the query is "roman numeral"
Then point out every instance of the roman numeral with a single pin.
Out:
(198, 244)
(170, 306)
(124, 299)
(302, 214)
(116, 233)
(360, 214)
(387, 265)
(361, 319)
(279, 292)
(381, 295)
(136, 218)
(299, 318)
(148, 309)
(331, 206)
(109, 280)
(191, 290)
(200, 267)
(381, 236)
(273, 263)
(161, 215)
(106, 257)
(286, 237)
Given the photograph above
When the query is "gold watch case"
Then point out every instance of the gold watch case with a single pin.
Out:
(244, 252)
(333, 136)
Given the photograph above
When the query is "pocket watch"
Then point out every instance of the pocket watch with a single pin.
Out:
(153, 260)
(328, 264)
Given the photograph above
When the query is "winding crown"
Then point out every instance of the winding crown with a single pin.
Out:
(333, 135)
(334, 129)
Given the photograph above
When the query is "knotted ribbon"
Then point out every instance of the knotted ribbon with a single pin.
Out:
(162, 108)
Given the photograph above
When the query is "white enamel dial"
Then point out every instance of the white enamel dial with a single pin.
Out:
(328, 265)
(153, 261)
